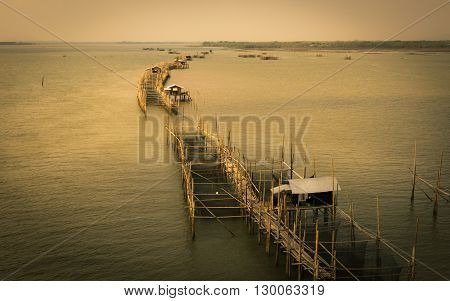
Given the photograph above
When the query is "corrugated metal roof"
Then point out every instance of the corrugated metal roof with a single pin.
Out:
(172, 86)
(309, 185)
(313, 185)
(281, 188)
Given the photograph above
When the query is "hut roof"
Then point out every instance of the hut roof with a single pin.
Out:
(171, 87)
(309, 185)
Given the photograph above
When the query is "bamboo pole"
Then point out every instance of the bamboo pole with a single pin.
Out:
(352, 230)
(314, 166)
(333, 202)
(193, 227)
(412, 266)
(264, 192)
(250, 225)
(259, 183)
(292, 161)
(304, 162)
(259, 224)
(378, 237)
(271, 196)
(333, 253)
(246, 201)
(439, 190)
(414, 173)
(316, 253)
(288, 247)
(300, 252)
(438, 183)
(193, 210)
(277, 243)
(268, 232)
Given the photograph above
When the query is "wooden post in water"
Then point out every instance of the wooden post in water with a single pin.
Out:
(414, 173)
(259, 224)
(314, 166)
(279, 195)
(250, 224)
(269, 213)
(352, 229)
(300, 253)
(412, 265)
(316, 253)
(333, 202)
(333, 252)
(277, 248)
(264, 192)
(304, 162)
(288, 246)
(378, 237)
(246, 202)
(193, 206)
(296, 222)
(259, 183)
(277, 241)
(271, 196)
(268, 232)
(193, 227)
(292, 161)
(438, 183)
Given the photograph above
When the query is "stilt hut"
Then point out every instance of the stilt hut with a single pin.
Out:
(310, 191)
(177, 93)
(156, 69)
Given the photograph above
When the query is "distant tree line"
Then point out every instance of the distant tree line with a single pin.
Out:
(338, 45)
(15, 43)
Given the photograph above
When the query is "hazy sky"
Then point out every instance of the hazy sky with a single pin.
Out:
(199, 20)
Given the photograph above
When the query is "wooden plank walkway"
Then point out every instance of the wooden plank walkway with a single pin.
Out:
(230, 193)
(218, 185)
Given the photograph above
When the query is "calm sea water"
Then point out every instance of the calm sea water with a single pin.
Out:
(77, 204)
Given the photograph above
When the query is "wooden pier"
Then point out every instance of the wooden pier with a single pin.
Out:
(320, 242)
(151, 87)
(218, 186)
(314, 239)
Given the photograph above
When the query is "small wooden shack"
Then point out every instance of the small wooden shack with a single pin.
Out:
(177, 93)
(310, 191)
(181, 64)
(156, 69)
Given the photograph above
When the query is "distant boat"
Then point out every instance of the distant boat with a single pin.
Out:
(348, 57)
(247, 55)
(268, 57)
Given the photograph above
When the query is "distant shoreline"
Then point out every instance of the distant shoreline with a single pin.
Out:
(338, 46)
(15, 43)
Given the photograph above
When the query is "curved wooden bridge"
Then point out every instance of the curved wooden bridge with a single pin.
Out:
(318, 240)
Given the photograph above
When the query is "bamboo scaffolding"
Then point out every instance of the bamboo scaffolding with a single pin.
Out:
(238, 176)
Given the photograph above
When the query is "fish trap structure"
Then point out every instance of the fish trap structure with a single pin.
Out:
(293, 216)
(151, 87)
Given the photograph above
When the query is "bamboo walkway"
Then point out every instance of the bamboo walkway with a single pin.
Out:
(151, 86)
(319, 242)
(220, 184)
(232, 194)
